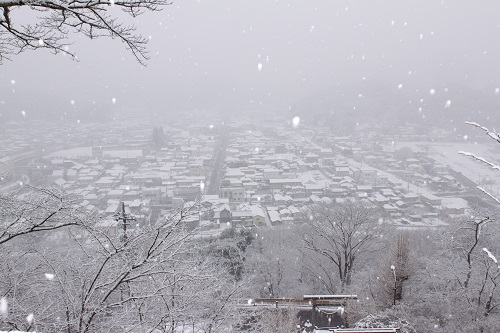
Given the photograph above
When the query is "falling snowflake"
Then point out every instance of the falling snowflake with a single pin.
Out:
(259, 67)
(211, 126)
(312, 28)
(29, 318)
(202, 186)
(23, 113)
(49, 276)
(400, 86)
(432, 91)
(13, 82)
(465, 137)
(448, 103)
(40, 42)
(295, 122)
(113, 100)
(3, 307)
(78, 121)
(497, 90)
(72, 102)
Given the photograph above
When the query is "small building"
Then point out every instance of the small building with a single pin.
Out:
(430, 199)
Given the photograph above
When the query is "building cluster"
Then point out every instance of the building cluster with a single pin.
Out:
(244, 174)
(273, 175)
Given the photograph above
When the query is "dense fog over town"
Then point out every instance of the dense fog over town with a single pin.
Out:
(249, 166)
(206, 55)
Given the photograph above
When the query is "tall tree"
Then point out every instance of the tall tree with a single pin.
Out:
(337, 237)
(396, 267)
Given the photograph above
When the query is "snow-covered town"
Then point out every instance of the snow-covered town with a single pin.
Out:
(244, 175)
(249, 166)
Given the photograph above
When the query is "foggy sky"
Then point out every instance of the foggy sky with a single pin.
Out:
(206, 54)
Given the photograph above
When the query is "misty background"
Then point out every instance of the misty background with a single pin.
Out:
(410, 61)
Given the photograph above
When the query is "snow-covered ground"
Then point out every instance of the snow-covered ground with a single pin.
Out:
(474, 170)
(447, 154)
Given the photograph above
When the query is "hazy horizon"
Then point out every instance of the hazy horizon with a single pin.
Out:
(207, 55)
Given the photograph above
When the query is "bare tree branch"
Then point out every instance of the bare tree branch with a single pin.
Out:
(63, 17)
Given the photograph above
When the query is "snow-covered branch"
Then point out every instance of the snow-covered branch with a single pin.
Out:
(481, 159)
(62, 17)
(492, 134)
(38, 211)
(495, 136)
(489, 194)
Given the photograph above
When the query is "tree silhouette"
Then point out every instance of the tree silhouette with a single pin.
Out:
(57, 19)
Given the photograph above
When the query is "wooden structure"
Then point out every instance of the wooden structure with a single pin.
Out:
(320, 310)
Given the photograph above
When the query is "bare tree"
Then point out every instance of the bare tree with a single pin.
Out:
(338, 235)
(60, 18)
(89, 280)
(39, 210)
(273, 320)
(475, 275)
(273, 263)
(396, 267)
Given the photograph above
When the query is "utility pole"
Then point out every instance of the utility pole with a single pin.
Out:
(125, 219)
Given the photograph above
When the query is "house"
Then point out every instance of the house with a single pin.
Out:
(380, 199)
(258, 215)
(152, 193)
(430, 199)
(282, 183)
(311, 158)
(196, 170)
(453, 206)
(295, 212)
(271, 173)
(368, 175)
(234, 194)
(342, 171)
(115, 194)
(410, 198)
(242, 218)
(275, 217)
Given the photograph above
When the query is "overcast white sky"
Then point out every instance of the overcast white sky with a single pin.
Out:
(206, 54)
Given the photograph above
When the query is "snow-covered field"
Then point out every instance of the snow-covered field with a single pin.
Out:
(472, 169)
(447, 154)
